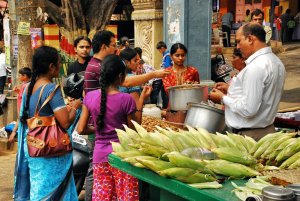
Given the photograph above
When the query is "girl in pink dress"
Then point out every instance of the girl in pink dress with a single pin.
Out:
(110, 109)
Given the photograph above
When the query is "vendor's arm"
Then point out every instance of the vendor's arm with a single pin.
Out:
(138, 80)
(253, 84)
(14, 132)
(222, 86)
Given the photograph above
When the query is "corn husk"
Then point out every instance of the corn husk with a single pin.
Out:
(181, 160)
(288, 151)
(250, 142)
(290, 160)
(208, 137)
(177, 172)
(197, 178)
(131, 153)
(263, 140)
(235, 155)
(240, 142)
(140, 130)
(155, 165)
(151, 150)
(231, 169)
(132, 160)
(276, 143)
(117, 147)
(124, 139)
(206, 185)
(295, 165)
(199, 137)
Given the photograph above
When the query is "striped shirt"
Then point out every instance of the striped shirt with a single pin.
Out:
(92, 75)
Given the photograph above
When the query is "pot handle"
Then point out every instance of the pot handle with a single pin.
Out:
(189, 104)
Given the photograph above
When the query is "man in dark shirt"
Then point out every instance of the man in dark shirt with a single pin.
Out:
(82, 46)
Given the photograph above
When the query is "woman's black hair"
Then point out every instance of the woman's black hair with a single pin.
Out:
(41, 60)
(25, 71)
(177, 46)
(112, 67)
(128, 54)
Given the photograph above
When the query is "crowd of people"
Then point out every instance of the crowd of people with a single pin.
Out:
(117, 83)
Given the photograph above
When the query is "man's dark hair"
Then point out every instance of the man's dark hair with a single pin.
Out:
(25, 71)
(123, 40)
(247, 12)
(257, 12)
(256, 30)
(161, 44)
(100, 38)
(139, 51)
(80, 38)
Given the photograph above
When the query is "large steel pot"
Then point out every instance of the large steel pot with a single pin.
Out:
(205, 116)
(181, 95)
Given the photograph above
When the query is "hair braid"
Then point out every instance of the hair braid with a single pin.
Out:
(29, 92)
(100, 119)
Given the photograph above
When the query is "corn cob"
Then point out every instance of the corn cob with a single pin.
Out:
(207, 136)
(230, 169)
(126, 154)
(197, 178)
(288, 151)
(151, 150)
(213, 184)
(288, 162)
(132, 133)
(117, 147)
(155, 165)
(263, 140)
(295, 165)
(140, 130)
(132, 160)
(239, 141)
(124, 139)
(272, 157)
(234, 155)
(276, 143)
(181, 160)
(250, 142)
(177, 172)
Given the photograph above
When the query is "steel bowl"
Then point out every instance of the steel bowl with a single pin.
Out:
(205, 116)
(181, 95)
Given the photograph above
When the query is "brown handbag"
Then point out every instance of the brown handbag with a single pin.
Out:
(46, 137)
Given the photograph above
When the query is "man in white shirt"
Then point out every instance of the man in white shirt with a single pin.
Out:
(2, 71)
(251, 101)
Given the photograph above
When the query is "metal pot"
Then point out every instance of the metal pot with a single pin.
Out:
(276, 193)
(296, 189)
(205, 116)
(180, 95)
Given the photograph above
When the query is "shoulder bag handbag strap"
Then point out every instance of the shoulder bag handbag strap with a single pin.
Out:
(48, 98)
(37, 104)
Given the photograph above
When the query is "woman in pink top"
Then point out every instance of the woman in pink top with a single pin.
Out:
(110, 109)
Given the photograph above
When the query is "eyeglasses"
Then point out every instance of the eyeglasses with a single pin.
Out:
(114, 45)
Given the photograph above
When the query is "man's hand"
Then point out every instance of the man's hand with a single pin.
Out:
(222, 86)
(216, 95)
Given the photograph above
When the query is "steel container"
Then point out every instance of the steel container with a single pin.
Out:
(296, 189)
(205, 116)
(276, 193)
(180, 95)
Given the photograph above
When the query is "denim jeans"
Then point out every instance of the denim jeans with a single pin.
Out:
(157, 86)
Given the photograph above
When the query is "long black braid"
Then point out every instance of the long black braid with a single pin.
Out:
(41, 60)
(111, 70)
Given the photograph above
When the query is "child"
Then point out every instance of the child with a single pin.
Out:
(110, 109)
(24, 78)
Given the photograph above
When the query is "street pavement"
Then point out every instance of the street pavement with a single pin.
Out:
(290, 99)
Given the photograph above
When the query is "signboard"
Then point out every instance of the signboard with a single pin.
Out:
(36, 37)
(24, 28)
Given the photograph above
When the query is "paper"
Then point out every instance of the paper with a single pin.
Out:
(24, 28)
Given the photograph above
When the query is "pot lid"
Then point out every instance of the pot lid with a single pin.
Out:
(277, 193)
(295, 188)
(186, 86)
(206, 106)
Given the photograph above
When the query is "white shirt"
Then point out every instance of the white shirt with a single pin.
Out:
(2, 65)
(254, 94)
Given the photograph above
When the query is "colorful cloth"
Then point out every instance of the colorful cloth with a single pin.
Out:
(118, 107)
(45, 173)
(189, 75)
(129, 90)
(112, 184)
(19, 97)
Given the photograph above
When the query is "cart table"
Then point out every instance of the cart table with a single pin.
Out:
(169, 189)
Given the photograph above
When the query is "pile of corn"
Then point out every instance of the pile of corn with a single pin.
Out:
(278, 149)
(161, 152)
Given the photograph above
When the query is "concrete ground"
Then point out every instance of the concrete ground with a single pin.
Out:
(290, 99)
